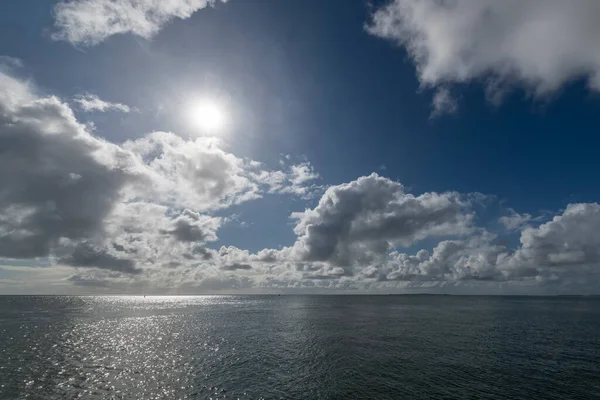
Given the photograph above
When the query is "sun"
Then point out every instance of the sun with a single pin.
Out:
(208, 116)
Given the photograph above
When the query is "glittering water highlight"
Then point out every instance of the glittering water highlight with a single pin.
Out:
(299, 347)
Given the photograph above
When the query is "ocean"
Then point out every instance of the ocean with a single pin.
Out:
(299, 347)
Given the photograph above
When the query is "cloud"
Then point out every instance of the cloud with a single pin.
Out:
(85, 255)
(302, 173)
(362, 219)
(451, 260)
(295, 179)
(193, 227)
(560, 256)
(197, 174)
(443, 103)
(11, 62)
(354, 239)
(89, 22)
(560, 251)
(56, 181)
(157, 236)
(140, 217)
(180, 280)
(504, 44)
(129, 209)
(570, 239)
(91, 102)
(234, 267)
(514, 221)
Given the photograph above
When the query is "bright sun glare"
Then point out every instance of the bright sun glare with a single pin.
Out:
(208, 116)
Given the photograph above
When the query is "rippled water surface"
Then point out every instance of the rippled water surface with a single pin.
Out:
(305, 347)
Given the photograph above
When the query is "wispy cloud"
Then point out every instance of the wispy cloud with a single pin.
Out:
(443, 103)
(91, 102)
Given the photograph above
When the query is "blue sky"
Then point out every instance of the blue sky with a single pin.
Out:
(341, 90)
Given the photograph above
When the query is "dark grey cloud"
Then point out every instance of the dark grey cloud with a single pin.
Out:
(202, 252)
(86, 255)
(55, 179)
(190, 226)
(236, 266)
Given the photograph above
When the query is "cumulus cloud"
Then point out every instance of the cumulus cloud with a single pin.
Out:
(91, 102)
(501, 43)
(562, 250)
(569, 239)
(127, 209)
(157, 236)
(193, 227)
(451, 260)
(56, 181)
(197, 174)
(89, 22)
(357, 221)
(354, 239)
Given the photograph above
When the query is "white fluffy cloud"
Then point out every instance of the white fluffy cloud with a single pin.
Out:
(197, 174)
(569, 240)
(357, 221)
(356, 239)
(91, 102)
(538, 45)
(451, 260)
(564, 252)
(89, 22)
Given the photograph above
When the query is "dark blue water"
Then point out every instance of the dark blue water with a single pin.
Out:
(305, 347)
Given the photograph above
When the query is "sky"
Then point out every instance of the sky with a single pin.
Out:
(301, 146)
